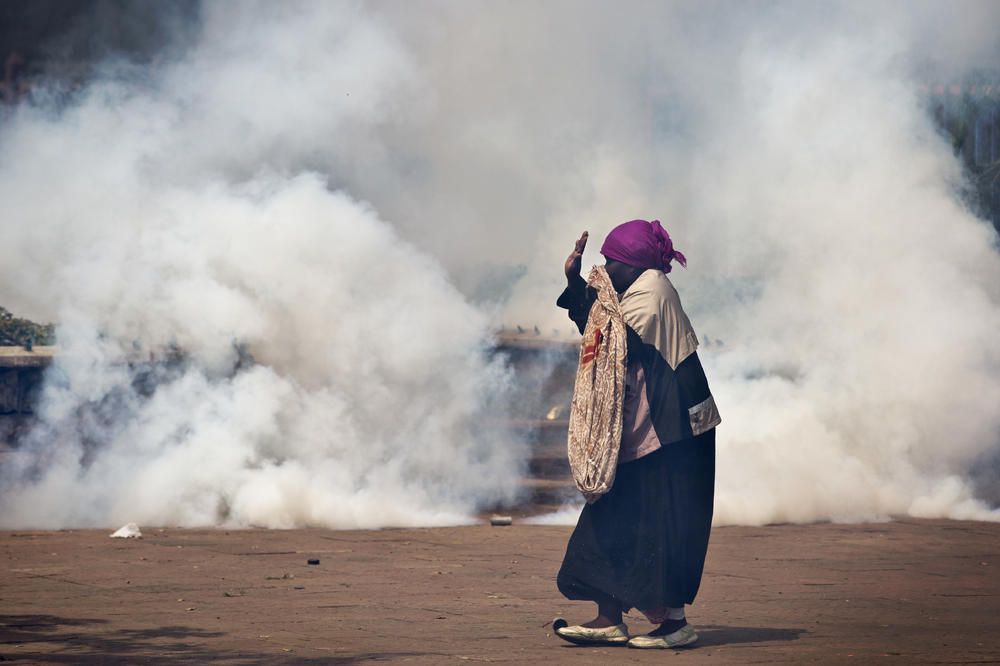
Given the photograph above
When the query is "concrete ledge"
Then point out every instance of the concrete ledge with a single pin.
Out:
(532, 341)
(18, 357)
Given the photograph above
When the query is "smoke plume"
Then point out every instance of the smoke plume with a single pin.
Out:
(356, 193)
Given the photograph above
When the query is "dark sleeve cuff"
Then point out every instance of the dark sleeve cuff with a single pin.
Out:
(577, 298)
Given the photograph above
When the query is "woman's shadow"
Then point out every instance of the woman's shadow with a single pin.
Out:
(713, 634)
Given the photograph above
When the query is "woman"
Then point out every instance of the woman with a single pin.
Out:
(642, 544)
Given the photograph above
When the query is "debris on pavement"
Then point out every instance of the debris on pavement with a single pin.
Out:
(130, 531)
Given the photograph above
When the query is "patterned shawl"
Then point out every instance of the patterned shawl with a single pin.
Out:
(595, 420)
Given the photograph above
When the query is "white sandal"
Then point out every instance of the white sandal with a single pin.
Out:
(613, 635)
(684, 636)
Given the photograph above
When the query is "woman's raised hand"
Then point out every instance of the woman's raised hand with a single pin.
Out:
(575, 258)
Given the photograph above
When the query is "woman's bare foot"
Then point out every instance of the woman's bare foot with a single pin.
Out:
(609, 614)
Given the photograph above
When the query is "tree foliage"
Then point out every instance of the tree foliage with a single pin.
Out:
(15, 331)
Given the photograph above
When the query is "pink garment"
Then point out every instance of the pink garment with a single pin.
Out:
(638, 436)
(639, 439)
(643, 244)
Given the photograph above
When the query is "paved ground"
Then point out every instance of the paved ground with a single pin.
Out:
(903, 592)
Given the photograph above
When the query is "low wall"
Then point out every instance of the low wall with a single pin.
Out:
(20, 379)
(20, 376)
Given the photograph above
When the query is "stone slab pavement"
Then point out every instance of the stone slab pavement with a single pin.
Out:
(901, 592)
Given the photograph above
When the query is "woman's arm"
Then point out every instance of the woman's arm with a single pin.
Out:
(577, 297)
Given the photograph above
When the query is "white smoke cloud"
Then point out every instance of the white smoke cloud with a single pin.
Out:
(166, 209)
(219, 196)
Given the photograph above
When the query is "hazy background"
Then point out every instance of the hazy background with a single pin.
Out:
(359, 192)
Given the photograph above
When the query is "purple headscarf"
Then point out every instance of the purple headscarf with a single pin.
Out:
(643, 244)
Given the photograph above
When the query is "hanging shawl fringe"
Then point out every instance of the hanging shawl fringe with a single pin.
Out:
(595, 420)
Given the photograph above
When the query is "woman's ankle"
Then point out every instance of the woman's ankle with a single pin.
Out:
(668, 627)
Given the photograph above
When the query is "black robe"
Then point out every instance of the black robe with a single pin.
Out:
(643, 544)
